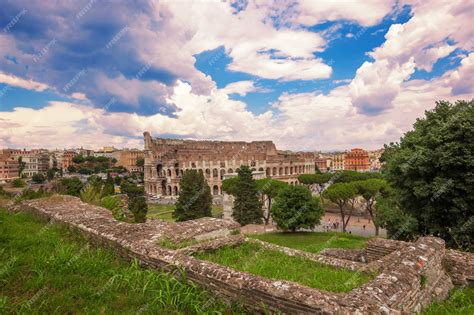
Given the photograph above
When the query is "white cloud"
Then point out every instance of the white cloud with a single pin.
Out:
(364, 12)
(435, 30)
(242, 88)
(250, 39)
(22, 83)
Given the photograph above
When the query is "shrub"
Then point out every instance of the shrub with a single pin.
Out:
(31, 194)
(69, 186)
(38, 178)
(18, 183)
(115, 205)
(91, 194)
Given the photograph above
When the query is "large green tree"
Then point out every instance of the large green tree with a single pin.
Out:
(296, 208)
(268, 189)
(195, 199)
(342, 194)
(247, 206)
(432, 173)
(316, 181)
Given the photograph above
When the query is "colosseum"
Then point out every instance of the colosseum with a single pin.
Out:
(167, 159)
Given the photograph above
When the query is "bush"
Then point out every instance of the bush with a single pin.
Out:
(38, 178)
(71, 169)
(31, 194)
(115, 205)
(78, 159)
(91, 194)
(69, 186)
(18, 183)
(139, 208)
(296, 208)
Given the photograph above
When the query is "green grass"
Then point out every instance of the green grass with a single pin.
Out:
(47, 269)
(460, 302)
(165, 212)
(313, 242)
(271, 264)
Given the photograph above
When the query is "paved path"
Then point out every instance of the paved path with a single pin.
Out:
(355, 226)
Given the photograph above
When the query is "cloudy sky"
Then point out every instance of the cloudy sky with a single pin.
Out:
(335, 75)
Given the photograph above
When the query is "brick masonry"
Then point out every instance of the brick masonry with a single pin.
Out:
(410, 277)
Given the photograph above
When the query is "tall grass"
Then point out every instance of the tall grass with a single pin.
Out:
(313, 242)
(50, 269)
(272, 264)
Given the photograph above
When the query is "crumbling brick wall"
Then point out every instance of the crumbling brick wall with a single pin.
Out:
(412, 278)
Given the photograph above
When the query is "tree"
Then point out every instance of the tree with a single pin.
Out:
(351, 176)
(132, 190)
(108, 189)
(139, 208)
(247, 206)
(229, 185)
(140, 162)
(78, 159)
(38, 178)
(69, 186)
(18, 183)
(316, 181)
(50, 174)
(431, 171)
(296, 208)
(269, 189)
(399, 224)
(342, 194)
(369, 189)
(195, 199)
(71, 169)
(21, 166)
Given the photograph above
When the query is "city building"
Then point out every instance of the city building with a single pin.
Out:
(9, 166)
(338, 161)
(357, 160)
(128, 159)
(108, 152)
(167, 159)
(374, 160)
(66, 160)
(323, 164)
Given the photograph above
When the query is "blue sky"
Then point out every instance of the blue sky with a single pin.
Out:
(332, 76)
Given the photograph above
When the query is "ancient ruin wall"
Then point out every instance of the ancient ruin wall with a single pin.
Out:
(399, 287)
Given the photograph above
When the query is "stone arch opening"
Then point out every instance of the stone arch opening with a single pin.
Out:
(268, 171)
(208, 172)
(159, 169)
(169, 191)
(222, 173)
(176, 190)
(260, 169)
(230, 171)
(169, 173)
(215, 190)
(280, 171)
(274, 171)
(163, 188)
(215, 173)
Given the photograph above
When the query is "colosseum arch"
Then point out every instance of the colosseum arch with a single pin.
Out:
(176, 190)
(280, 171)
(215, 173)
(274, 171)
(230, 171)
(215, 190)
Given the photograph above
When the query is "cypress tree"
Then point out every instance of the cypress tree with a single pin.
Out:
(195, 199)
(247, 206)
